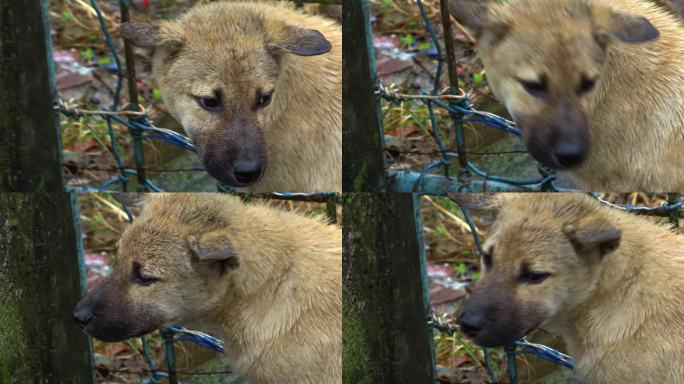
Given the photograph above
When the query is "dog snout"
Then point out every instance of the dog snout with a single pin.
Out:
(472, 323)
(569, 153)
(247, 172)
(82, 315)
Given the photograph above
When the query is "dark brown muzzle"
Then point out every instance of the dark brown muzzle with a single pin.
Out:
(558, 138)
(492, 317)
(107, 315)
(237, 155)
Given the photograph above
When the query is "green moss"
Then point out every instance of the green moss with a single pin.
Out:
(38, 280)
(12, 349)
(356, 367)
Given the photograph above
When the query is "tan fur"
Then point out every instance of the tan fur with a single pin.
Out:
(635, 115)
(222, 48)
(620, 314)
(275, 299)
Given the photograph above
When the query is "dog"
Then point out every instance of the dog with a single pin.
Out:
(258, 88)
(608, 282)
(266, 281)
(593, 85)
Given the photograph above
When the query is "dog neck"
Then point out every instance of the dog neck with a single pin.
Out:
(278, 284)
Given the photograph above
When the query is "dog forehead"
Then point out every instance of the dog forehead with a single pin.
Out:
(177, 211)
(539, 244)
(522, 234)
(556, 35)
(224, 67)
(547, 13)
(563, 50)
(152, 235)
(226, 20)
(227, 37)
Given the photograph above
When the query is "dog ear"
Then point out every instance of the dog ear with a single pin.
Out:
(151, 35)
(610, 24)
(211, 246)
(594, 238)
(475, 15)
(299, 41)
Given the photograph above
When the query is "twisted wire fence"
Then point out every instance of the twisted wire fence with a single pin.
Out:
(131, 116)
(467, 176)
(671, 208)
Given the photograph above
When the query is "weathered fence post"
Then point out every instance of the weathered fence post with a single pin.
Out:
(362, 140)
(385, 332)
(30, 148)
(39, 287)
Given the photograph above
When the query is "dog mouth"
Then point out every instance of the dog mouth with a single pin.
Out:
(498, 337)
(561, 155)
(111, 325)
(116, 334)
(235, 178)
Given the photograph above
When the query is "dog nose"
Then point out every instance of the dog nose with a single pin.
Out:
(471, 323)
(247, 172)
(82, 315)
(569, 154)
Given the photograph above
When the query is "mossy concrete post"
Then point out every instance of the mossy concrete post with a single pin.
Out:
(39, 287)
(30, 148)
(362, 140)
(385, 332)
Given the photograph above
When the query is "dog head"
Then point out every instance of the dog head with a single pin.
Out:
(172, 267)
(541, 260)
(218, 70)
(544, 61)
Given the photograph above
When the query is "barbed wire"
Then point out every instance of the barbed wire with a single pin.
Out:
(147, 169)
(146, 372)
(664, 207)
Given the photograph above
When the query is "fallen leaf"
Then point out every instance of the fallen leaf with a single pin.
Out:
(387, 66)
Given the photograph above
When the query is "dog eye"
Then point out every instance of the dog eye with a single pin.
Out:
(532, 277)
(535, 88)
(211, 104)
(487, 259)
(141, 279)
(586, 85)
(265, 99)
